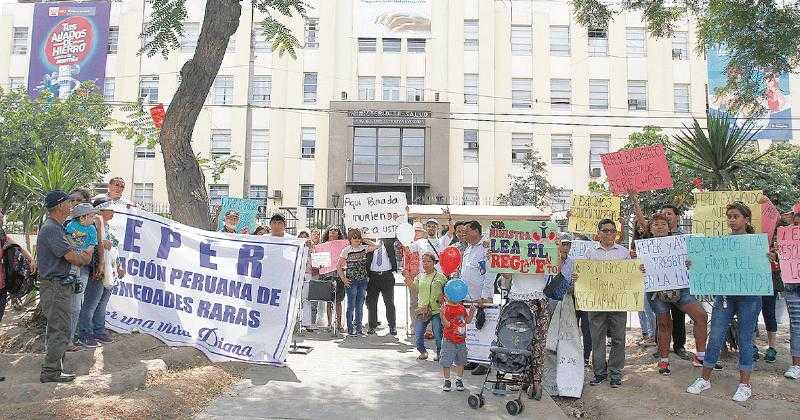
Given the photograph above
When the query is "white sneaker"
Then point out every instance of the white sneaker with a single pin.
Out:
(793, 372)
(698, 386)
(743, 393)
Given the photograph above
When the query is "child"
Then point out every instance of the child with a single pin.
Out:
(454, 350)
(83, 235)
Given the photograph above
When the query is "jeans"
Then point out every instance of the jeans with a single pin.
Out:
(92, 320)
(356, 294)
(77, 303)
(746, 309)
(792, 296)
(583, 319)
(419, 333)
(647, 319)
(613, 324)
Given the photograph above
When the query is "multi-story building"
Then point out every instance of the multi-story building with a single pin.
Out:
(458, 102)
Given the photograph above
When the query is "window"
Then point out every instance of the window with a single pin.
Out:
(471, 196)
(216, 192)
(561, 149)
(598, 94)
(109, 86)
(259, 41)
(309, 88)
(391, 88)
(521, 40)
(105, 142)
(415, 89)
(191, 31)
(559, 41)
(416, 45)
(259, 145)
(598, 146)
(144, 152)
(470, 145)
(637, 95)
(471, 89)
(258, 192)
(598, 42)
(636, 42)
(680, 45)
(113, 39)
(220, 143)
(391, 45)
(560, 94)
(19, 40)
(681, 97)
(521, 146)
(16, 83)
(312, 33)
(471, 40)
(143, 193)
(261, 90)
(561, 200)
(379, 153)
(521, 96)
(308, 144)
(367, 45)
(306, 195)
(148, 89)
(366, 88)
(223, 90)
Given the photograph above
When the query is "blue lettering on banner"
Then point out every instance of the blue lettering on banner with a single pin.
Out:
(169, 239)
(249, 264)
(205, 255)
(209, 336)
(131, 235)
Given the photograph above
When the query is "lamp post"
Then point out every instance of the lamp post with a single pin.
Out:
(400, 178)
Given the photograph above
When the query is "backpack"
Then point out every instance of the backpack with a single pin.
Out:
(19, 279)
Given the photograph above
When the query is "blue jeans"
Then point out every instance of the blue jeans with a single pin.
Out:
(356, 294)
(77, 302)
(92, 319)
(419, 333)
(792, 296)
(746, 309)
(647, 319)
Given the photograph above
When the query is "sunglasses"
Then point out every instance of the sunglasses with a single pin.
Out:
(608, 231)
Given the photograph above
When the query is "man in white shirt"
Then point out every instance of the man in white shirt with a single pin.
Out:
(480, 286)
(116, 186)
(382, 265)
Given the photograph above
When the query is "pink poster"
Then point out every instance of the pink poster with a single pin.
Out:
(335, 249)
(770, 215)
(640, 169)
(789, 253)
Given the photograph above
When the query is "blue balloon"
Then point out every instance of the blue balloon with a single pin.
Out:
(455, 290)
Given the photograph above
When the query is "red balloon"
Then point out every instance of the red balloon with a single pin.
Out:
(450, 260)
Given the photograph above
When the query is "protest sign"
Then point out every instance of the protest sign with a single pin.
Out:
(664, 260)
(334, 250)
(578, 249)
(789, 253)
(376, 215)
(587, 210)
(233, 299)
(609, 285)
(709, 217)
(321, 259)
(639, 169)
(479, 341)
(729, 265)
(770, 216)
(247, 209)
(523, 247)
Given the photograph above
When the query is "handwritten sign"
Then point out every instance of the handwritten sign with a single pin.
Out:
(578, 249)
(709, 214)
(247, 209)
(639, 169)
(789, 252)
(729, 265)
(376, 215)
(664, 260)
(523, 247)
(479, 341)
(321, 259)
(609, 285)
(770, 216)
(587, 210)
(334, 250)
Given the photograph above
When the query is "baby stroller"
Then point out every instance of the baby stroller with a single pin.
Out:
(510, 356)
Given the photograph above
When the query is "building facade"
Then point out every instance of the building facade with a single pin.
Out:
(457, 103)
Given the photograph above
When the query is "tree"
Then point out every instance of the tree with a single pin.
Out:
(532, 187)
(777, 174)
(186, 187)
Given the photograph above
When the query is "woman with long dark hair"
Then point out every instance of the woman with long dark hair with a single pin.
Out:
(333, 233)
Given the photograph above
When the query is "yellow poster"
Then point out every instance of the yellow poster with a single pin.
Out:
(588, 210)
(709, 212)
(609, 285)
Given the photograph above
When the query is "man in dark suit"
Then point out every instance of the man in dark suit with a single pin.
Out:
(382, 265)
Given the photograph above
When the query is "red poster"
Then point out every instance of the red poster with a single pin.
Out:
(769, 218)
(640, 169)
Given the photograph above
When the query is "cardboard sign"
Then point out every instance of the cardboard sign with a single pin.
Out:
(523, 247)
(709, 213)
(587, 210)
(376, 215)
(479, 341)
(770, 216)
(729, 265)
(639, 169)
(664, 260)
(334, 250)
(609, 285)
(789, 253)
(247, 209)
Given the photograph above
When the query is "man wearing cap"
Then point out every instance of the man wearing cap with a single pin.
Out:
(55, 255)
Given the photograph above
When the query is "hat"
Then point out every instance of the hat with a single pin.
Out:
(432, 220)
(277, 217)
(102, 204)
(54, 198)
(82, 209)
(418, 226)
(566, 237)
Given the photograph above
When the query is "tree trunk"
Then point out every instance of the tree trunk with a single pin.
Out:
(186, 187)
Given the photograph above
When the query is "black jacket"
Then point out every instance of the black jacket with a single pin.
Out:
(389, 245)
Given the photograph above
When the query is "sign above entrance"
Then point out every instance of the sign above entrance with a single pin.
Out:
(396, 118)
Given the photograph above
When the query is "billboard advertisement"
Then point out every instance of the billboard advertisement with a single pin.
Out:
(776, 122)
(394, 18)
(69, 44)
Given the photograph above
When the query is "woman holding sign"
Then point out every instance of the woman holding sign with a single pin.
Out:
(353, 271)
(745, 308)
(334, 234)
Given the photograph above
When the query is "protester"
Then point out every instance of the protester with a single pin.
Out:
(116, 186)
(480, 287)
(412, 267)
(454, 318)
(382, 265)
(82, 233)
(307, 319)
(647, 318)
(334, 234)
(792, 296)
(353, 270)
(55, 255)
(768, 305)
(277, 226)
(80, 195)
(428, 285)
(745, 308)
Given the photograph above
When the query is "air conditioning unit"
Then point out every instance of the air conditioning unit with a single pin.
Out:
(277, 194)
(344, 95)
(417, 98)
(595, 172)
(677, 53)
(436, 96)
(637, 105)
(472, 145)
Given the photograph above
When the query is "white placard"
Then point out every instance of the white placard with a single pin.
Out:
(577, 251)
(479, 341)
(398, 18)
(664, 260)
(320, 259)
(376, 215)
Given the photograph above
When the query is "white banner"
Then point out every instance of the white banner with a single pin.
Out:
(664, 261)
(479, 341)
(375, 214)
(398, 18)
(233, 297)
